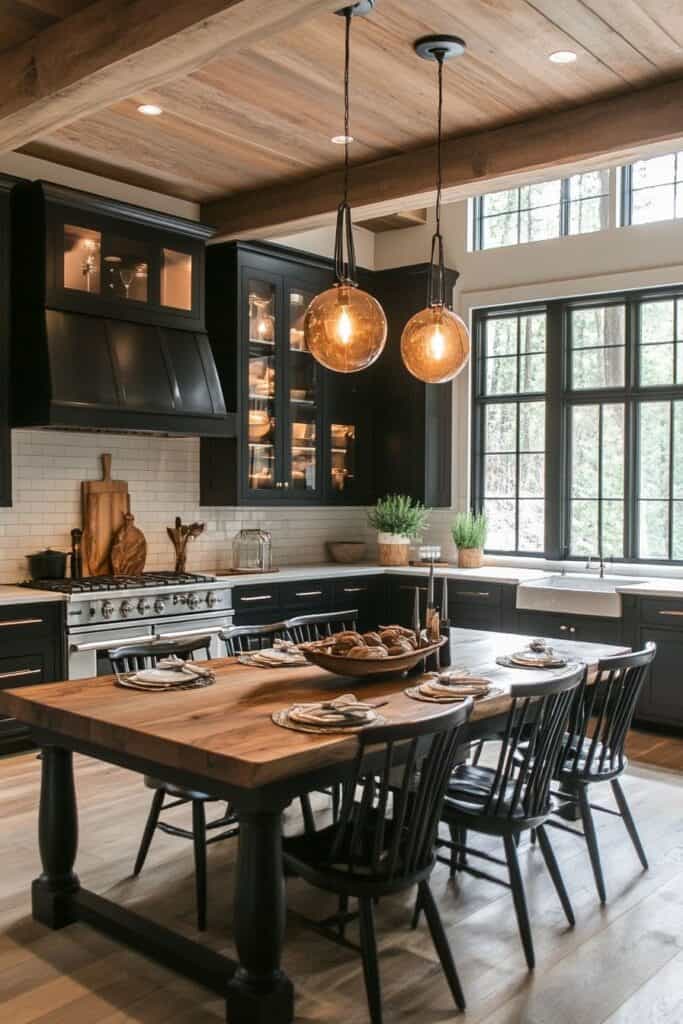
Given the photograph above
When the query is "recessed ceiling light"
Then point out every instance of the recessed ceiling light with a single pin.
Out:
(562, 57)
(341, 140)
(150, 109)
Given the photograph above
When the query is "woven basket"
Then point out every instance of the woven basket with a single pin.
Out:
(470, 558)
(392, 553)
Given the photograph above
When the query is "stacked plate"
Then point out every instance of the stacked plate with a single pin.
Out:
(169, 674)
(449, 688)
(344, 713)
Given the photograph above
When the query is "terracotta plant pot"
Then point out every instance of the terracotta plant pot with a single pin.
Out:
(394, 549)
(470, 558)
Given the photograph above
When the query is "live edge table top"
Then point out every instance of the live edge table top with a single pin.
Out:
(224, 732)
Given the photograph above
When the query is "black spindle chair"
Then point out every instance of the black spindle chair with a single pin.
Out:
(133, 659)
(307, 628)
(593, 748)
(383, 841)
(244, 639)
(515, 795)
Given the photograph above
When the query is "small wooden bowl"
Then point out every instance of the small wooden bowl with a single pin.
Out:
(366, 668)
(346, 551)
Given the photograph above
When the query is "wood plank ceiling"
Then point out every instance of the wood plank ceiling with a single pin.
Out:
(265, 115)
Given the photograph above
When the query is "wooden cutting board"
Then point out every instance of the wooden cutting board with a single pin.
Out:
(129, 550)
(105, 503)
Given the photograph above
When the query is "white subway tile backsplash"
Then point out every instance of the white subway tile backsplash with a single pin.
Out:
(163, 479)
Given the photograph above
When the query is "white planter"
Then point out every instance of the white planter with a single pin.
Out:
(393, 548)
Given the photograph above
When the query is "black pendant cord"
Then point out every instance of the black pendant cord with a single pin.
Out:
(345, 262)
(436, 290)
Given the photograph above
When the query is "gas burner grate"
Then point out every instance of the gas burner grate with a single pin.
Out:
(99, 584)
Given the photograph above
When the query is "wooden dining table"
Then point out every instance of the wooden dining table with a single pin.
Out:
(221, 740)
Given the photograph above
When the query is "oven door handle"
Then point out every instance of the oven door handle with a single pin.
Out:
(198, 631)
(107, 645)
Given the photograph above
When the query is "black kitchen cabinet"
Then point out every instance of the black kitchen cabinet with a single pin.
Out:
(304, 434)
(6, 186)
(275, 601)
(661, 621)
(31, 651)
(587, 628)
(413, 420)
(471, 604)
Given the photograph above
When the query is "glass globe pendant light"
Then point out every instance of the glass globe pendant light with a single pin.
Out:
(345, 329)
(435, 344)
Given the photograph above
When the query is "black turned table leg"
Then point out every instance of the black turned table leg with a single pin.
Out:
(52, 893)
(259, 992)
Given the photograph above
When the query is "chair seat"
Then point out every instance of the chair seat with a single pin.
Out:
(177, 791)
(469, 790)
(573, 769)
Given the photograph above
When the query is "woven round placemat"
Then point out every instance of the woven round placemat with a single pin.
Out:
(506, 662)
(192, 684)
(414, 693)
(282, 718)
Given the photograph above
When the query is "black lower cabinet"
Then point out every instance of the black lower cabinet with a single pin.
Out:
(586, 628)
(275, 601)
(31, 651)
(662, 696)
(471, 605)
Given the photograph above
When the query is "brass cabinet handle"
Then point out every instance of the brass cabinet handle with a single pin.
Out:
(669, 613)
(21, 672)
(9, 623)
(354, 590)
(405, 587)
(257, 597)
(472, 593)
(568, 629)
(308, 593)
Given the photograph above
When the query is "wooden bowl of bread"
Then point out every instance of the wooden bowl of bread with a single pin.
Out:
(387, 651)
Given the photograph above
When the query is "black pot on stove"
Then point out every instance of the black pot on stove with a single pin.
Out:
(47, 565)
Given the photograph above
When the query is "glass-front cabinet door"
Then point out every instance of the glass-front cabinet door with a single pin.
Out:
(303, 375)
(264, 426)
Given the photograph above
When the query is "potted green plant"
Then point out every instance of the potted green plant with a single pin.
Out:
(398, 520)
(469, 535)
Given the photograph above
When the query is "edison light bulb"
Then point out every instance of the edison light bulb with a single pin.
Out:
(345, 329)
(435, 345)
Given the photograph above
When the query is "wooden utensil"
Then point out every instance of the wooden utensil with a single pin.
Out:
(105, 503)
(129, 550)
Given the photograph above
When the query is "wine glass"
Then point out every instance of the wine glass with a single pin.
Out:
(126, 274)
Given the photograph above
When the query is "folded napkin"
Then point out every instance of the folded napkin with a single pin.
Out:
(344, 710)
(449, 688)
(275, 657)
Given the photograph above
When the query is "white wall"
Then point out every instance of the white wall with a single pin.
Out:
(321, 242)
(163, 473)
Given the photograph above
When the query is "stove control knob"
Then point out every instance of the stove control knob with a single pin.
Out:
(144, 605)
(211, 599)
(194, 601)
(159, 606)
(107, 609)
(126, 608)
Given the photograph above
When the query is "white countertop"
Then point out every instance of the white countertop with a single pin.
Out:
(22, 595)
(488, 574)
(663, 587)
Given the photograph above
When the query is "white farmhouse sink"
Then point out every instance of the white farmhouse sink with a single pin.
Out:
(574, 593)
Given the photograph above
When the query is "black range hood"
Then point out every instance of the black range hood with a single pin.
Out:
(85, 354)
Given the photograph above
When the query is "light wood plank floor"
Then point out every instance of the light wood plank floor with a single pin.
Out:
(622, 964)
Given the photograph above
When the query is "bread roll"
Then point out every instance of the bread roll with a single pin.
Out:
(372, 639)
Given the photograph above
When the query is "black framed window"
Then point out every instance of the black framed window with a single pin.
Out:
(583, 453)
(652, 189)
(549, 209)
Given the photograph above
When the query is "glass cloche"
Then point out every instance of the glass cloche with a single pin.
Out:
(252, 551)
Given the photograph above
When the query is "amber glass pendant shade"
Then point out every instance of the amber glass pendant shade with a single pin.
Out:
(435, 345)
(345, 328)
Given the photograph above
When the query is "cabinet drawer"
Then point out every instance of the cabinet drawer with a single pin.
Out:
(23, 628)
(461, 591)
(355, 588)
(305, 596)
(258, 598)
(662, 612)
(22, 671)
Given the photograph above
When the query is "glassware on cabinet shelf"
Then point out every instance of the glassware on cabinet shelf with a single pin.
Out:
(342, 447)
(176, 279)
(261, 312)
(304, 455)
(298, 303)
(82, 259)
(262, 423)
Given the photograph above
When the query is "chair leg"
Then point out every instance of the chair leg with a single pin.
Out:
(368, 943)
(147, 835)
(478, 752)
(532, 837)
(441, 943)
(307, 812)
(519, 898)
(629, 822)
(592, 840)
(554, 871)
(336, 801)
(199, 840)
(417, 910)
(342, 910)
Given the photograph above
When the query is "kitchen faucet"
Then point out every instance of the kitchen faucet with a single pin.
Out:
(601, 562)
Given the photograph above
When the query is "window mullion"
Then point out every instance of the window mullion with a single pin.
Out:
(555, 461)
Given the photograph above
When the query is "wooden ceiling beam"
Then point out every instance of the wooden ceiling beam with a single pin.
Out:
(106, 52)
(595, 134)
